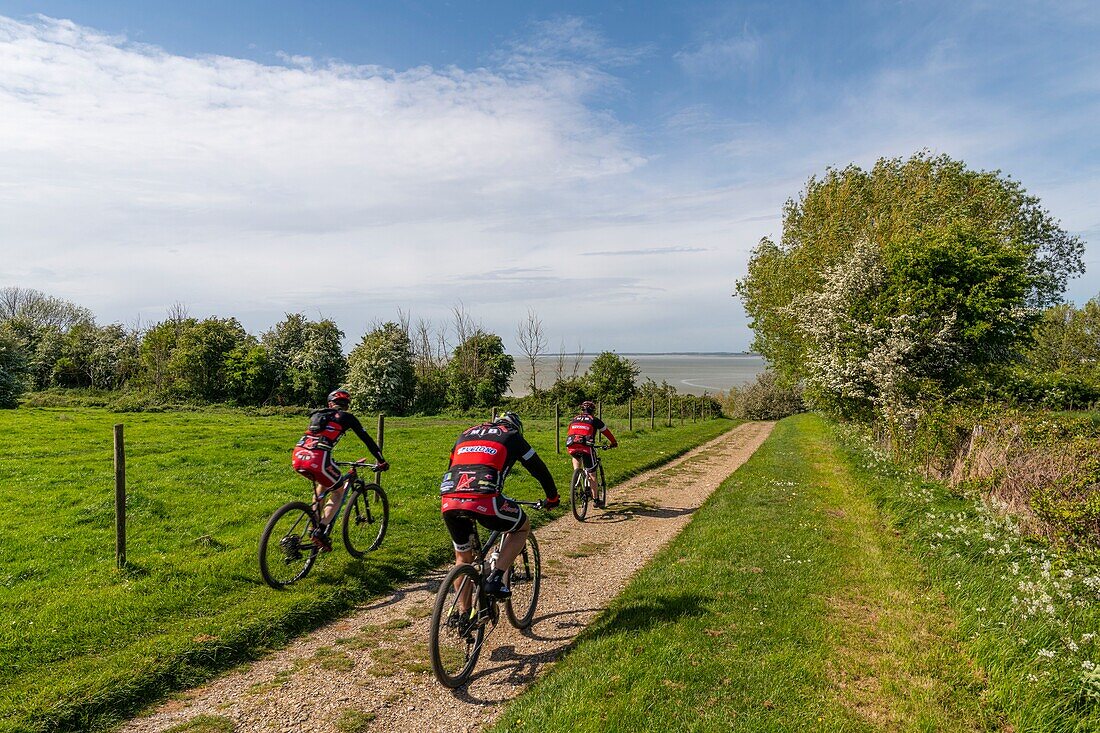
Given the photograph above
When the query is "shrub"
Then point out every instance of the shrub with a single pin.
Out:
(767, 398)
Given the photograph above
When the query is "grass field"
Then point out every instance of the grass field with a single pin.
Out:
(789, 604)
(83, 644)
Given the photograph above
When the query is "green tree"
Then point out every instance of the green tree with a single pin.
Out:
(13, 368)
(479, 371)
(381, 376)
(249, 374)
(198, 361)
(40, 323)
(308, 359)
(1066, 340)
(569, 392)
(157, 345)
(903, 281)
(114, 357)
(612, 378)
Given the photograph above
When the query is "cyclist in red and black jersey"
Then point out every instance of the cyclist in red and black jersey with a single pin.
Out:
(582, 436)
(312, 455)
(471, 491)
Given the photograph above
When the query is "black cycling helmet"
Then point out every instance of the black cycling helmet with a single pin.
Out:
(510, 418)
(588, 407)
(340, 397)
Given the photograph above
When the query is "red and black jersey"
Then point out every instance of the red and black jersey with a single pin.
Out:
(484, 454)
(326, 426)
(583, 428)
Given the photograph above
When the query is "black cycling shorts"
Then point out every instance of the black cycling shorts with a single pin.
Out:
(491, 511)
(585, 457)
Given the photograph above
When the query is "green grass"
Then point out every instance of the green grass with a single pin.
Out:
(84, 645)
(785, 605)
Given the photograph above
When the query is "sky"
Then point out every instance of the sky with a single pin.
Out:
(608, 166)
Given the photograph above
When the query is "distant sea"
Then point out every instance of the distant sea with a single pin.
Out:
(688, 373)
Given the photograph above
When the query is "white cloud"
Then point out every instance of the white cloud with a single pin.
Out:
(133, 177)
(720, 57)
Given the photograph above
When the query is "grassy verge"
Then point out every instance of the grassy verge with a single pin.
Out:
(84, 645)
(1029, 614)
(786, 604)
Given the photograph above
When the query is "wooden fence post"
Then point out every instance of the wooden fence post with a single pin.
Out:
(600, 413)
(630, 415)
(652, 414)
(557, 428)
(120, 498)
(670, 411)
(381, 442)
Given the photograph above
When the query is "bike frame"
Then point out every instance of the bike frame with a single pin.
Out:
(590, 473)
(349, 480)
(496, 537)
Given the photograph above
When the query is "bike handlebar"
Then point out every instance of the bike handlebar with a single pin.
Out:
(540, 504)
(358, 464)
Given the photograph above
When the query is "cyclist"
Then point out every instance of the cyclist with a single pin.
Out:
(312, 456)
(471, 491)
(582, 436)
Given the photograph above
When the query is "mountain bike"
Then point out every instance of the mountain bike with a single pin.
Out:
(286, 551)
(588, 484)
(457, 635)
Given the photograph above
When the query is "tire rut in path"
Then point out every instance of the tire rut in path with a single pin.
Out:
(379, 667)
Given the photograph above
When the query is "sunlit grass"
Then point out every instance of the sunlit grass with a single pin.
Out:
(191, 601)
(785, 605)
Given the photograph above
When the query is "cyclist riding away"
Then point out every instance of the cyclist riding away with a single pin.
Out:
(312, 457)
(582, 436)
(471, 491)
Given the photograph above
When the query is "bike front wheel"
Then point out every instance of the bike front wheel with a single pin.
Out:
(578, 495)
(366, 519)
(524, 579)
(286, 550)
(458, 628)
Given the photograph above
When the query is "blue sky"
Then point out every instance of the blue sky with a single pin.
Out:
(608, 165)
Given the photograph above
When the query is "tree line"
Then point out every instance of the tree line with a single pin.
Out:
(397, 367)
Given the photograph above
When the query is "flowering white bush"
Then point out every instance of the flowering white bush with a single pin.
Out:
(854, 353)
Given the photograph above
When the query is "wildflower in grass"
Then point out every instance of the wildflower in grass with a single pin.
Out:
(1046, 654)
(1087, 637)
(1087, 665)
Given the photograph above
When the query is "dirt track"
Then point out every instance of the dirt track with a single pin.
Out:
(373, 664)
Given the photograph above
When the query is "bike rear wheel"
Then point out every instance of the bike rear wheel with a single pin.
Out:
(456, 634)
(286, 551)
(524, 579)
(601, 492)
(366, 519)
(578, 495)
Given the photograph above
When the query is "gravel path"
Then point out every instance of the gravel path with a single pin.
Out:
(370, 671)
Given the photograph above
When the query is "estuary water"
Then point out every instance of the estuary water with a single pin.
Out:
(688, 373)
